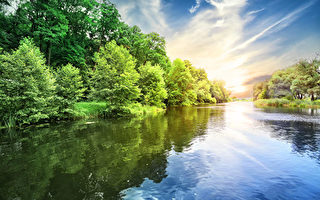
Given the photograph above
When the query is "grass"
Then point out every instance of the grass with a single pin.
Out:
(287, 103)
(89, 109)
(139, 110)
(242, 100)
(95, 109)
(100, 109)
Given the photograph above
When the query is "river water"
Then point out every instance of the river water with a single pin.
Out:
(231, 151)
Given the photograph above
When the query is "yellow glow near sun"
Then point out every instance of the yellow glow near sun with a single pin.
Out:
(238, 89)
(235, 84)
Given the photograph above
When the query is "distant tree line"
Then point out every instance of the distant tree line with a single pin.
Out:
(299, 81)
(58, 52)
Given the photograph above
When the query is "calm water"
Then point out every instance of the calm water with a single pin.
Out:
(232, 151)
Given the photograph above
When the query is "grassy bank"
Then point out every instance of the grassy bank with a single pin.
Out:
(96, 109)
(85, 110)
(89, 109)
(287, 103)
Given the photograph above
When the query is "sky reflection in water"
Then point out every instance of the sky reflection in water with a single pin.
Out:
(246, 153)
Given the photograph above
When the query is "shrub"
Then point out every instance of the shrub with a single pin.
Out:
(69, 88)
(27, 86)
(152, 85)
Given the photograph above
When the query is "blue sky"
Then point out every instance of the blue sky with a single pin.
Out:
(239, 41)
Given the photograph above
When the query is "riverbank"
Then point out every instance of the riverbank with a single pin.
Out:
(87, 110)
(96, 109)
(287, 103)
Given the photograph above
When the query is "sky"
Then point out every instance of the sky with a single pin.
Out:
(239, 41)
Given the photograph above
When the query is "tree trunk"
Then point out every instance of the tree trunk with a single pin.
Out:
(312, 97)
(49, 53)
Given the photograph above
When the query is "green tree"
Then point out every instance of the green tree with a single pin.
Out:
(280, 83)
(152, 85)
(47, 24)
(108, 21)
(307, 80)
(260, 90)
(202, 84)
(180, 85)
(219, 92)
(115, 78)
(27, 86)
(69, 87)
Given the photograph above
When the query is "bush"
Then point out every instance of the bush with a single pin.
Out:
(131, 110)
(180, 85)
(27, 86)
(284, 102)
(152, 85)
(69, 88)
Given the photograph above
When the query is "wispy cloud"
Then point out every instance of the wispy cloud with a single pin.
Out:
(285, 21)
(147, 14)
(255, 11)
(195, 7)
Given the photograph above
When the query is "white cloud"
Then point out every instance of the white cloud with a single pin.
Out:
(148, 15)
(255, 11)
(195, 7)
(284, 22)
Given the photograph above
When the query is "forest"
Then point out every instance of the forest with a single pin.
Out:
(68, 58)
(292, 86)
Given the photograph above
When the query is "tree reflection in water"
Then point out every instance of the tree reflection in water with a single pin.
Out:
(82, 160)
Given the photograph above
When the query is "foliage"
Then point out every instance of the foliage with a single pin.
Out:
(69, 87)
(307, 80)
(202, 85)
(89, 109)
(152, 85)
(219, 92)
(280, 82)
(299, 81)
(115, 78)
(287, 103)
(260, 90)
(180, 85)
(27, 86)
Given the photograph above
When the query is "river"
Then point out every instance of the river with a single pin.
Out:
(229, 151)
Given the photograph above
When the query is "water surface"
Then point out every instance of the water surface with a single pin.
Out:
(231, 151)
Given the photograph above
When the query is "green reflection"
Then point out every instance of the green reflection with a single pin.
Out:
(82, 160)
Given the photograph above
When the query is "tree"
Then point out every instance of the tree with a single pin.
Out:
(202, 84)
(260, 90)
(115, 78)
(27, 86)
(307, 80)
(144, 47)
(47, 23)
(69, 87)
(280, 83)
(152, 85)
(203, 92)
(180, 85)
(219, 92)
(108, 21)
